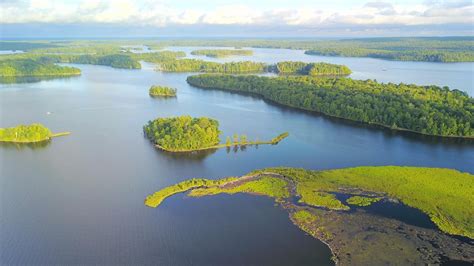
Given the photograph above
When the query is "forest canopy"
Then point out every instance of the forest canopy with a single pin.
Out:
(28, 67)
(194, 65)
(183, 132)
(161, 91)
(312, 69)
(428, 110)
(25, 133)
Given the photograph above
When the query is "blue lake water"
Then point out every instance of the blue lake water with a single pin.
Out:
(79, 199)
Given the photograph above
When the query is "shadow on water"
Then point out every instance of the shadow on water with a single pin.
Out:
(393, 209)
(190, 156)
(20, 146)
(12, 80)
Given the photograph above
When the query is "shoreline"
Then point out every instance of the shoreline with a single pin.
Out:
(54, 135)
(277, 140)
(330, 227)
(334, 116)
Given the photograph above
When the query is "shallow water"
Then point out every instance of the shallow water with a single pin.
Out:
(80, 198)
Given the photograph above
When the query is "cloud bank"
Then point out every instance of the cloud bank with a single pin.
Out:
(428, 16)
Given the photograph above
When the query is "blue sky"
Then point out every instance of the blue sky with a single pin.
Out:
(256, 18)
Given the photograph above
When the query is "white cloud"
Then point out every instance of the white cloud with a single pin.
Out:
(160, 13)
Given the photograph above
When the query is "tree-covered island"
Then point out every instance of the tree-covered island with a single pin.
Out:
(358, 237)
(311, 69)
(34, 68)
(428, 110)
(187, 134)
(28, 134)
(222, 52)
(162, 91)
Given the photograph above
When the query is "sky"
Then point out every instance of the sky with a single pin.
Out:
(234, 18)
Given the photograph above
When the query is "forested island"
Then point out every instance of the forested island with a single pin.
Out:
(30, 68)
(161, 91)
(194, 65)
(311, 69)
(428, 110)
(28, 134)
(246, 67)
(217, 53)
(310, 197)
(188, 134)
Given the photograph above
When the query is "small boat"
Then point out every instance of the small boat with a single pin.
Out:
(384, 69)
(48, 113)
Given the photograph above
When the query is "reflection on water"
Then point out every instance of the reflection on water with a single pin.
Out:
(12, 80)
(20, 146)
(188, 156)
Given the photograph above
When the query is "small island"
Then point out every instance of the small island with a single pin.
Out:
(354, 235)
(187, 134)
(161, 91)
(217, 53)
(28, 134)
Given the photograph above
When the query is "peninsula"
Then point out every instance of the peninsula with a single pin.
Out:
(28, 134)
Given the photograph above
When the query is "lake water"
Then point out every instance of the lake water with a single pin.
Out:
(79, 199)
(454, 75)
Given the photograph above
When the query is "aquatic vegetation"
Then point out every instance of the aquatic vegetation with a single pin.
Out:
(27, 134)
(222, 52)
(265, 185)
(435, 191)
(317, 198)
(157, 198)
(161, 91)
(304, 216)
(428, 110)
(362, 201)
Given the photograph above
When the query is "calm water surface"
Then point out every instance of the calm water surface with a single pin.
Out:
(79, 199)
(454, 75)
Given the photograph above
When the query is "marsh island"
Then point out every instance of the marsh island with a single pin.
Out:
(356, 236)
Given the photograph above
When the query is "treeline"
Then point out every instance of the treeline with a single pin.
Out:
(222, 52)
(312, 69)
(420, 55)
(29, 67)
(157, 57)
(194, 65)
(423, 109)
(183, 133)
(25, 133)
(287, 67)
(161, 91)
(432, 49)
(112, 60)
